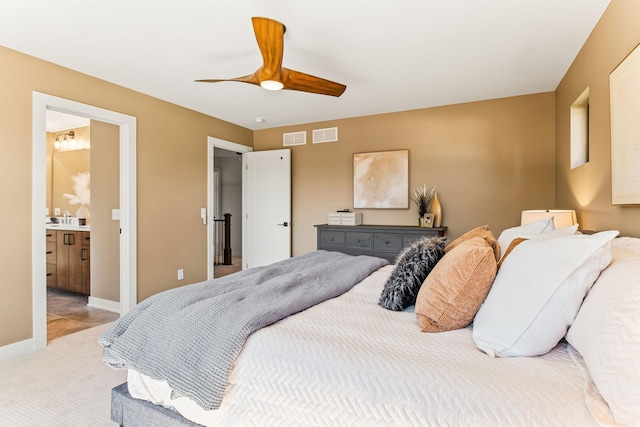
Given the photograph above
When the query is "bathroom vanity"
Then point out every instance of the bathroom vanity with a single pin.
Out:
(68, 258)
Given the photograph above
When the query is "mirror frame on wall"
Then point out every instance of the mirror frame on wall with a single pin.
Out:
(128, 244)
(74, 162)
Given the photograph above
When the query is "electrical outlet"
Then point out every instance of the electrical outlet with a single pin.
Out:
(180, 274)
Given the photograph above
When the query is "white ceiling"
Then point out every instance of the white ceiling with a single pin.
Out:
(393, 55)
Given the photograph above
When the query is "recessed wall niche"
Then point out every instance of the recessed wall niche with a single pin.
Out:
(580, 130)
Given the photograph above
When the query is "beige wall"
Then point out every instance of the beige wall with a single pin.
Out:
(172, 180)
(489, 160)
(105, 196)
(588, 188)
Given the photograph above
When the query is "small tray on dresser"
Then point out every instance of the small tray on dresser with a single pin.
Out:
(384, 241)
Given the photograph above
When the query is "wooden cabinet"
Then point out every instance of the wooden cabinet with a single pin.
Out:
(384, 241)
(68, 261)
(85, 255)
(51, 258)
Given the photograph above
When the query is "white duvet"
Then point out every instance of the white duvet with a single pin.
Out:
(350, 362)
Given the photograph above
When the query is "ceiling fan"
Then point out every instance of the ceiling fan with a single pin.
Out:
(272, 75)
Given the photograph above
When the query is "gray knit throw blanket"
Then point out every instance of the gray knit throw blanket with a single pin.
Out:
(190, 336)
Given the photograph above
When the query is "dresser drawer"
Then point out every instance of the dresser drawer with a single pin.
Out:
(359, 240)
(331, 239)
(387, 242)
(409, 239)
(384, 241)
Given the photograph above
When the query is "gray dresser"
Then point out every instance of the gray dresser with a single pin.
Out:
(384, 241)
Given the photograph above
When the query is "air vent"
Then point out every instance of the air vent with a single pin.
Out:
(294, 138)
(325, 135)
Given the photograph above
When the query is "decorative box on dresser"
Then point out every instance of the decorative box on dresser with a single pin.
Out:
(383, 241)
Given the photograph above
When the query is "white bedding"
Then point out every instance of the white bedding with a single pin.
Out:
(350, 362)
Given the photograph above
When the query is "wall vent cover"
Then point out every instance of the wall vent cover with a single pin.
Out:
(294, 138)
(325, 135)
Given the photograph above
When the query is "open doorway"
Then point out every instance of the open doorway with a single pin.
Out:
(227, 214)
(226, 207)
(82, 238)
(126, 127)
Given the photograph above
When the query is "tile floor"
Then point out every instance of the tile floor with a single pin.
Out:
(68, 313)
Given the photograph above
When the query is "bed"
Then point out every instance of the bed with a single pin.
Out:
(349, 361)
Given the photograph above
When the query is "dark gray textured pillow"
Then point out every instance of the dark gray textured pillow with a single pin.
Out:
(412, 267)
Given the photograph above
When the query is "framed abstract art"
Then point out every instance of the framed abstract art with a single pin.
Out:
(381, 180)
(624, 83)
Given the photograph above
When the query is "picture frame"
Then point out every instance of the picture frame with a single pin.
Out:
(624, 85)
(381, 180)
(428, 221)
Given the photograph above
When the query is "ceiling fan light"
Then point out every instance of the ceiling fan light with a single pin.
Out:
(271, 85)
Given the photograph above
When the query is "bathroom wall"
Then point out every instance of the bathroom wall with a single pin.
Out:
(105, 196)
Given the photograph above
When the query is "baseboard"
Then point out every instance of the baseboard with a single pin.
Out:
(16, 349)
(104, 304)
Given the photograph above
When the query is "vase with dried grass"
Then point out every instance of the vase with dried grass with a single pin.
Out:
(436, 210)
(422, 197)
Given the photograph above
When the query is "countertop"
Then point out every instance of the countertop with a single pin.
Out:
(68, 227)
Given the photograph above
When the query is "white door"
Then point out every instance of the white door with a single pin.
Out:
(267, 207)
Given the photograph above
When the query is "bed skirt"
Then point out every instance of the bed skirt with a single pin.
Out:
(130, 412)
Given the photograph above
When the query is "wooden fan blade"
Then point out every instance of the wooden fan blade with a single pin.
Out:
(295, 80)
(251, 78)
(270, 38)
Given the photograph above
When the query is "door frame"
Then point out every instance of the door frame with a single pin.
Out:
(128, 243)
(212, 143)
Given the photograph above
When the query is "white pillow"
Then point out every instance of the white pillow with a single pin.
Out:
(537, 293)
(539, 226)
(606, 332)
(564, 231)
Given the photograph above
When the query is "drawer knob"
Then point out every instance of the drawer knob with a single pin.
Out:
(386, 242)
(331, 239)
(358, 241)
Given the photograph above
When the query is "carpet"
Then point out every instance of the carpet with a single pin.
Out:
(65, 384)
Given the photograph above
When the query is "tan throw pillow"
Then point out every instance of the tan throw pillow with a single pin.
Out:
(453, 292)
(482, 231)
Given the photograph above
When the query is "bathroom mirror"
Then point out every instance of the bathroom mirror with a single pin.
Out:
(64, 164)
